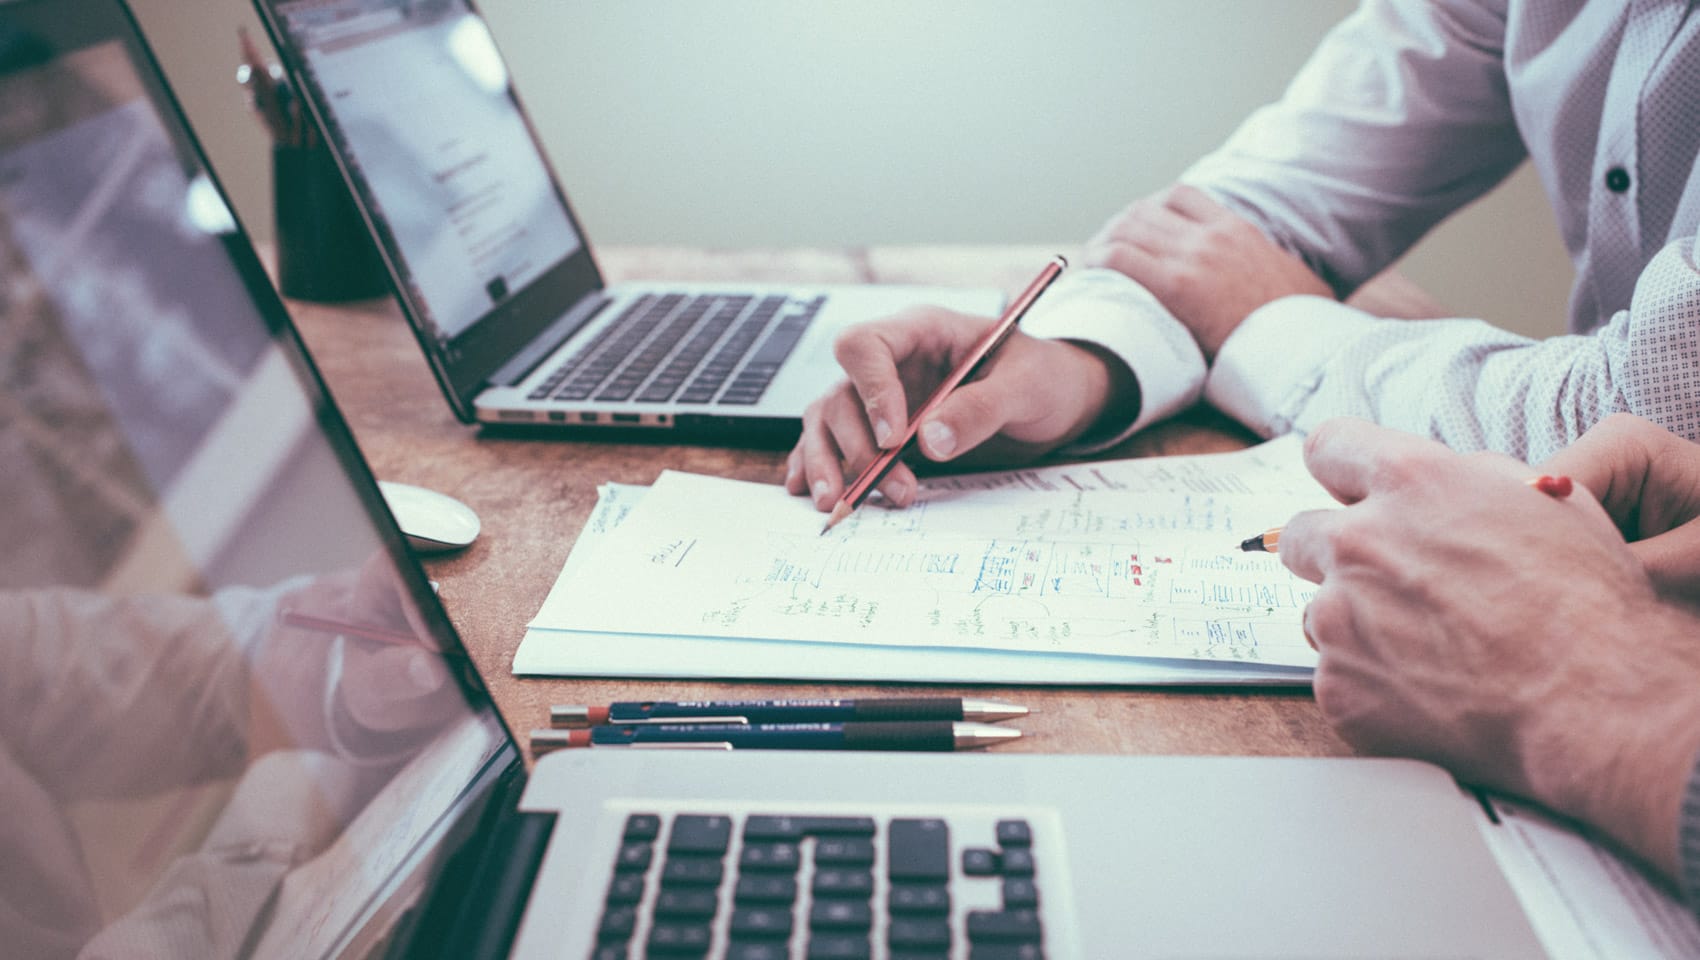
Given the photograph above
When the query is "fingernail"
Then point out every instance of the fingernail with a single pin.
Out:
(902, 491)
(821, 489)
(882, 433)
(940, 439)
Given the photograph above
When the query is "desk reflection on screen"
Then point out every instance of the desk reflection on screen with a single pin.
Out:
(186, 769)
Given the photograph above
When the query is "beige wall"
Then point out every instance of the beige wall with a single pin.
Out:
(773, 122)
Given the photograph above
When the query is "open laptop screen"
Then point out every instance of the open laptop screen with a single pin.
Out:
(420, 97)
(232, 718)
(419, 108)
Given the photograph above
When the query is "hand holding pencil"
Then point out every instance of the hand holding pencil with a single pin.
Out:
(1035, 395)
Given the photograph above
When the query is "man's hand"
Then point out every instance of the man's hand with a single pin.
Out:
(1648, 479)
(1037, 395)
(1469, 620)
(1208, 266)
(386, 692)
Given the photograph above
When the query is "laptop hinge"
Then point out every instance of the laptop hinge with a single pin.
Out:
(474, 910)
(520, 365)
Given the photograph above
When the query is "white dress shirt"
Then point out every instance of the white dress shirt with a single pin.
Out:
(1407, 111)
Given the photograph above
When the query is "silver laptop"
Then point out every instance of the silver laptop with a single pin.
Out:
(234, 720)
(494, 271)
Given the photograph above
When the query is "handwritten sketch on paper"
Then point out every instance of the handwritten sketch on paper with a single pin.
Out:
(1128, 559)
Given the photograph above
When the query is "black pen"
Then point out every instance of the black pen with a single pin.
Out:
(916, 735)
(885, 710)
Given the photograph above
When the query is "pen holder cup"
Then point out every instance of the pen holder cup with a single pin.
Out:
(324, 253)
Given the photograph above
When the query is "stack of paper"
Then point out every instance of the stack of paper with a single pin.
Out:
(1115, 572)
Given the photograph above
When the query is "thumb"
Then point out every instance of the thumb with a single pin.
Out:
(970, 416)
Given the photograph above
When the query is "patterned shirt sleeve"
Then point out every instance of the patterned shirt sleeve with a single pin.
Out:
(1688, 840)
(1301, 360)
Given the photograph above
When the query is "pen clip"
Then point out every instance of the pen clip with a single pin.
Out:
(652, 721)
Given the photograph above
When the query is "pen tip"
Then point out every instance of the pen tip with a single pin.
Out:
(991, 710)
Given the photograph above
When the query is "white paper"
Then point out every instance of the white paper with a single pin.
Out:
(1149, 567)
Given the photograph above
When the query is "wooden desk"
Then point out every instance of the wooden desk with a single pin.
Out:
(534, 496)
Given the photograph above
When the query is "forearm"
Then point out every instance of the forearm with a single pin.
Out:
(1400, 117)
(1299, 361)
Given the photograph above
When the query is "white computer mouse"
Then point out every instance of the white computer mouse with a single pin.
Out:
(432, 522)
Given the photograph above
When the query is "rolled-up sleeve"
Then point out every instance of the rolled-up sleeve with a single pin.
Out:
(1401, 116)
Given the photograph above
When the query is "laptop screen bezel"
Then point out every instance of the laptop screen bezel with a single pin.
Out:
(464, 366)
(70, 25)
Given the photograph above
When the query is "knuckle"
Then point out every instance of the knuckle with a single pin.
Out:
(1350, 542)
(1396, 470)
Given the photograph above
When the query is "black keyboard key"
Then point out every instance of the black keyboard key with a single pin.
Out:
(756, 923)
(979, 862)
(841, 915)
(838, 826)
(1003, 926)
(1020, 893)
(918, 953)
(633, 857)
(772, 828)
(687, 903)
(691, 872)
(771, 888)
(909, 899)
(626, 888)
(918, 933)
(1014, 833)
(770, 857)
(1017, 862)
(843, 883)
(844, 851)
(918, 850)
(610, 951)
(839, 947)
(1005, 951)
(784, 339)
(749, 950)
(680, 939)
(695, 836)
(642, 827)
(617, 924)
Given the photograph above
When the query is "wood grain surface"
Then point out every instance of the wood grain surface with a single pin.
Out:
(534, 495)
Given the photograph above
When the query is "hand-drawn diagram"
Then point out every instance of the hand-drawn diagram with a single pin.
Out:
(1106, 571)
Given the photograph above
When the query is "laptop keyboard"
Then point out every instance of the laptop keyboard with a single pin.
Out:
(819, 888)
(722, 348)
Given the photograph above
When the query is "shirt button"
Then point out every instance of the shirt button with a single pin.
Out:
(1617, 179)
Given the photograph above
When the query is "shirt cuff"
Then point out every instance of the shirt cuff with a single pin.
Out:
(1274, 359)
(1112, 312)
(1688, 841)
